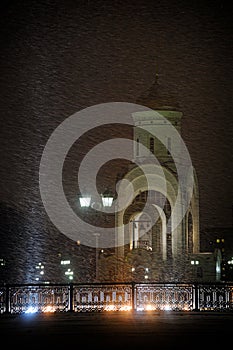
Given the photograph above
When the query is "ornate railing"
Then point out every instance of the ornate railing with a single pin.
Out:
(164, 297)
(111, 297)
(116, 297)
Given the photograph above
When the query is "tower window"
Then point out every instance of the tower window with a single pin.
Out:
(137, 150)
(152, 145)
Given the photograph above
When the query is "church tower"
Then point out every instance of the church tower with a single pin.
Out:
(152, 241)
(157, 232)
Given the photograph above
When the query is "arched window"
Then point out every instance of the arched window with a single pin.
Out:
(152, 145)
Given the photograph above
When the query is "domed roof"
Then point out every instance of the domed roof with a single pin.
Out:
(158, 97)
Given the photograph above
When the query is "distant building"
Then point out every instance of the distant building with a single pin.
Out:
(220, 239)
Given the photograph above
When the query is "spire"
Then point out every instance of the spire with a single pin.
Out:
(158, 97)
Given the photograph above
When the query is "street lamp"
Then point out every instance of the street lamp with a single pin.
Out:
(96, 256)
(106, 196)
(86, 202)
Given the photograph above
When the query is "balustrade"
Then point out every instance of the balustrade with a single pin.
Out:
(133, 296)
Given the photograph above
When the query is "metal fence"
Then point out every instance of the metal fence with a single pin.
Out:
(99, 297)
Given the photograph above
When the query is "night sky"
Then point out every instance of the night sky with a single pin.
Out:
(60, 57)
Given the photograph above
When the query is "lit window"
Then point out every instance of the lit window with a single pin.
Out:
(194, 262)
(65, 262)
(2, 262)
(40, 266)
(69, 273)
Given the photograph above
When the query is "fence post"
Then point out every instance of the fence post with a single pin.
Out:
(7, 311)
(196, 297)
(133, 296)
(71, 297)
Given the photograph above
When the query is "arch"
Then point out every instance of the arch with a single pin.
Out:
(138, 181)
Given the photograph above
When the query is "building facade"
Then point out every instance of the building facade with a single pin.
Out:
(157, 233)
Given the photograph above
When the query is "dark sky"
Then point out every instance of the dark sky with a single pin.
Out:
(60, 57)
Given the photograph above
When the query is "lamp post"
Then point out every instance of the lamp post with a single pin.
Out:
(86, 202)
(96, 256)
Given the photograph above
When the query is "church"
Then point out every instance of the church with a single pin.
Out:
(158, 237)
